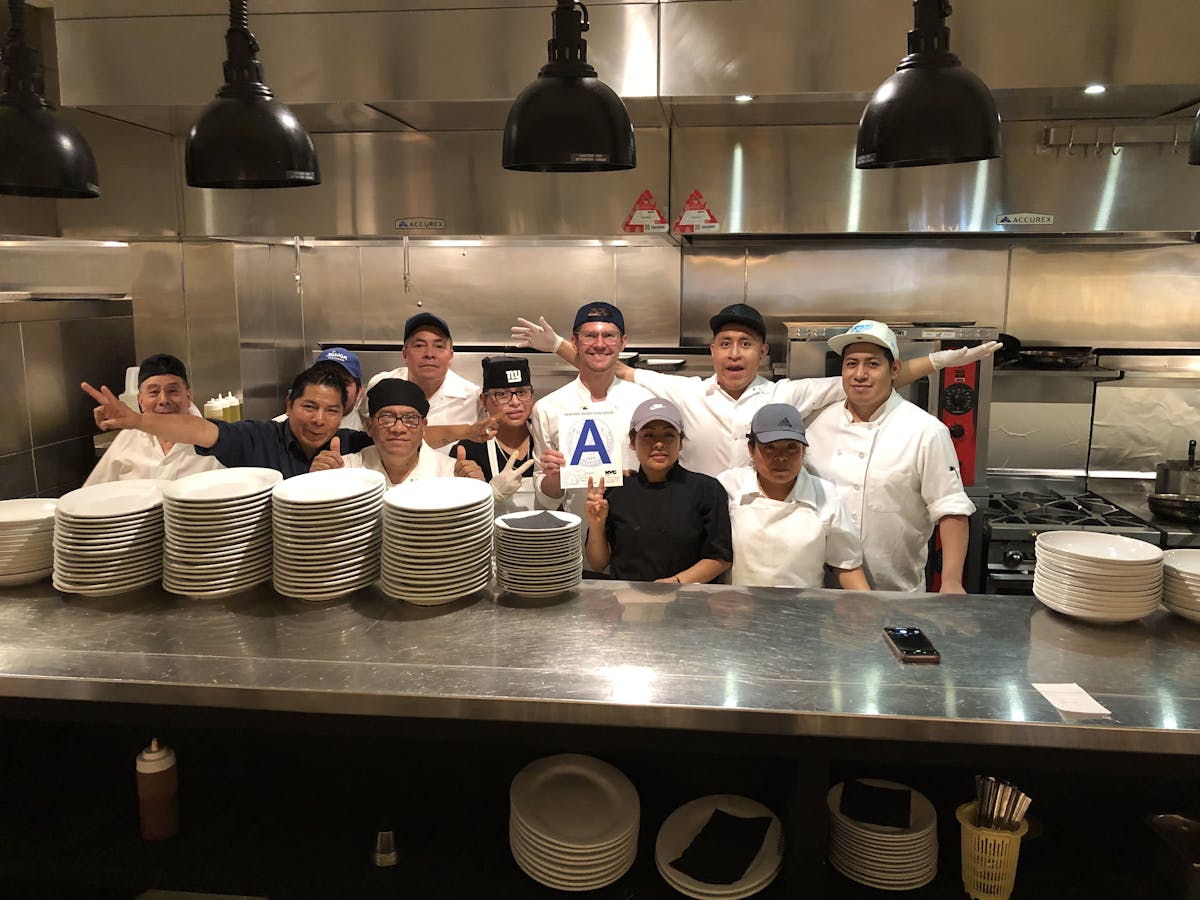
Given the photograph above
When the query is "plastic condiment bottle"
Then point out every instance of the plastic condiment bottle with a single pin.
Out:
(158, 792)
(235, 407)
(212, 408)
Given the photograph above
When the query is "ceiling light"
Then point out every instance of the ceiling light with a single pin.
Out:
(41, 154)
(743, 98)
(245, 138)
(1094, 89)
(568, 120)
(932, 111)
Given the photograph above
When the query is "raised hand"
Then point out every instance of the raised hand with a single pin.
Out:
(961, 356)
(596, 507)
(111, 412)
(329, 459)
(508, 480)
(539, 336)
(484, 430)
(466, 468)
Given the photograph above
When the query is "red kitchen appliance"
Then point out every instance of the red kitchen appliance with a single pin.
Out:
(958, 408)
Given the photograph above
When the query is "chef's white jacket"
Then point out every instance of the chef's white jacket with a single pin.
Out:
(716, 424)
(622, 396)
(787, 543)
(136, 454)
(897, 476)
(430, 464)
(456, 402)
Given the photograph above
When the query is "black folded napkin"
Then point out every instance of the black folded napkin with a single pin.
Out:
(877, 805)
(723, 849)
(539, 522)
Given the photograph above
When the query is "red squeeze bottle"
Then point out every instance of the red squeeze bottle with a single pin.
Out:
(158, 792)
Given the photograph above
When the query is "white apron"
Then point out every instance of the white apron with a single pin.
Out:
(777, 543)
(523, 500)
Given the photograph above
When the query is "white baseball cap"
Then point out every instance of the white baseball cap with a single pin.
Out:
(868, 331)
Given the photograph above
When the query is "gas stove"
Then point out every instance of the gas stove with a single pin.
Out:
(1012, 522)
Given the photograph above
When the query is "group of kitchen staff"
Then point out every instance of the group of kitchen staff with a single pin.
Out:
(726, 480)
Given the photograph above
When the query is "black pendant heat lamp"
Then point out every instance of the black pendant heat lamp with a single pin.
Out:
(245, 138)
(932, 111)
(41, 154)
(568, 120)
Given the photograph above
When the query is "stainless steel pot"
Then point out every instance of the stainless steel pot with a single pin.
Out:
(1184, 507)
(1178, 476)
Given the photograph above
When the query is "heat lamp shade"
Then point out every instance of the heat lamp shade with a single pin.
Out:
(250, 142)
(568, 124)
(43, 155)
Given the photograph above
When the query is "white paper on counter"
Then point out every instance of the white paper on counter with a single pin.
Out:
(1071, 698)
(593, 448)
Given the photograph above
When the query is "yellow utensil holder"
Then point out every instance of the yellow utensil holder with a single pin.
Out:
(989, 856)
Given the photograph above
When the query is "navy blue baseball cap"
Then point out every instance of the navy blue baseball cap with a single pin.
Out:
(599, 312)
(347, 359)
(427, 319)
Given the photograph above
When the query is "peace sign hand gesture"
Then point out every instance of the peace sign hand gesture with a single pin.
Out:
(597, 506)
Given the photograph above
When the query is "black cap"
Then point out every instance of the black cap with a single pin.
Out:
(739, 314)
(396, 392)
(415, 322)
(161, 364)
(599, 312)
(505, 372)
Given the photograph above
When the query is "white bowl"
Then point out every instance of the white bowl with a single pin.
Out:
(1094, 545)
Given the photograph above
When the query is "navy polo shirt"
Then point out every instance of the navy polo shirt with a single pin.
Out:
(655, 530)
(271, 445)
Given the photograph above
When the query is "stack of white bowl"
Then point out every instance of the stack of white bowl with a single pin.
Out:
(26, 540)
(1181, 583)
(573, 822)
(887, 857)
(218, 531)
(326, 532)
(1097, 577)
(108, 537)
(437, 540)
(538, 562)
(681, 828)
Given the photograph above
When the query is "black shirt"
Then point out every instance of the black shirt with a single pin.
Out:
(658, 530)
(478, 453)
(271, 445)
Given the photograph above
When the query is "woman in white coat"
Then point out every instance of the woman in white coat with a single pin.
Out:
(787, 524)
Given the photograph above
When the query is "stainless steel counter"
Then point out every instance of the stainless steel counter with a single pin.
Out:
(712, 658)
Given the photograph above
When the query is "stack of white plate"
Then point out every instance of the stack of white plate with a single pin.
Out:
(326, 532)
(437, 540)
(538, 562)
(884, 856)
(681, 828)
(1097, 577)
(218, 531)
(1181, 583)
(26, 540)
(573, 822)
(108, 537)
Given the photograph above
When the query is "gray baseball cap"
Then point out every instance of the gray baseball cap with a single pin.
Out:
(656, 410)
(778, 422)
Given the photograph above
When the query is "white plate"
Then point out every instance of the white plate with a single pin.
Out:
(223, 484)
(562, 884)
(113, 498)
(330, 486)
(323, 596)
(1088, 615)
(922, 815)
(215, 593)
(511, 521)
(876, 882)
(433, 516)
(104, 589)
(1186, 562)
(438, 494)
(1086, 594)
(539, 847)
(1094, 545)
(537, 594)
(460, 587)
(1192, 615)
(16, 513)
(567, 874)
(749, 891)
(15, 578)
(682, 826)
(1127, 575)
(573, 800)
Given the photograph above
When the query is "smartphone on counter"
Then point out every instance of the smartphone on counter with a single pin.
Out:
(911, 645)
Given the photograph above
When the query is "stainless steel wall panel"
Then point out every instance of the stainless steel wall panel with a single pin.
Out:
(647, 292)
(58, 356)
(1105, 295)
(256, 331)
(75, 266)
(63, 466)
(286, 287)
(159, 315)
(16, 475)
(332, 298)
(261, 380)
(371, 180)
(32, 216)
(210, 298)
(15, 434)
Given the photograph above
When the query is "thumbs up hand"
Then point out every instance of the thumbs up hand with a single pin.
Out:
(466, 468)
(329, 459)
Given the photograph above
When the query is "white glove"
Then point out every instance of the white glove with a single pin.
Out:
(507, 481)
(945, 359)
(540, 336)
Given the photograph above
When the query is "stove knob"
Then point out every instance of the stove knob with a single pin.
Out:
(957, 431)
(1013, 558)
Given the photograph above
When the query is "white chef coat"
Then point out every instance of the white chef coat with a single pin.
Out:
(351, 420)
(622, 396)
(716, 424)
(456, 402)
(430, 464)
(897, 476)
(787, 543)
(136, 454)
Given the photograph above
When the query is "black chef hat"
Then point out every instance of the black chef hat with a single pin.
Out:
(161, 364)
(505, 372)
(739, 314)
(396, 392)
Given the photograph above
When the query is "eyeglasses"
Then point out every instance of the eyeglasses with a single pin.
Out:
(503, 395)
(594, 337)
(388, 420)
